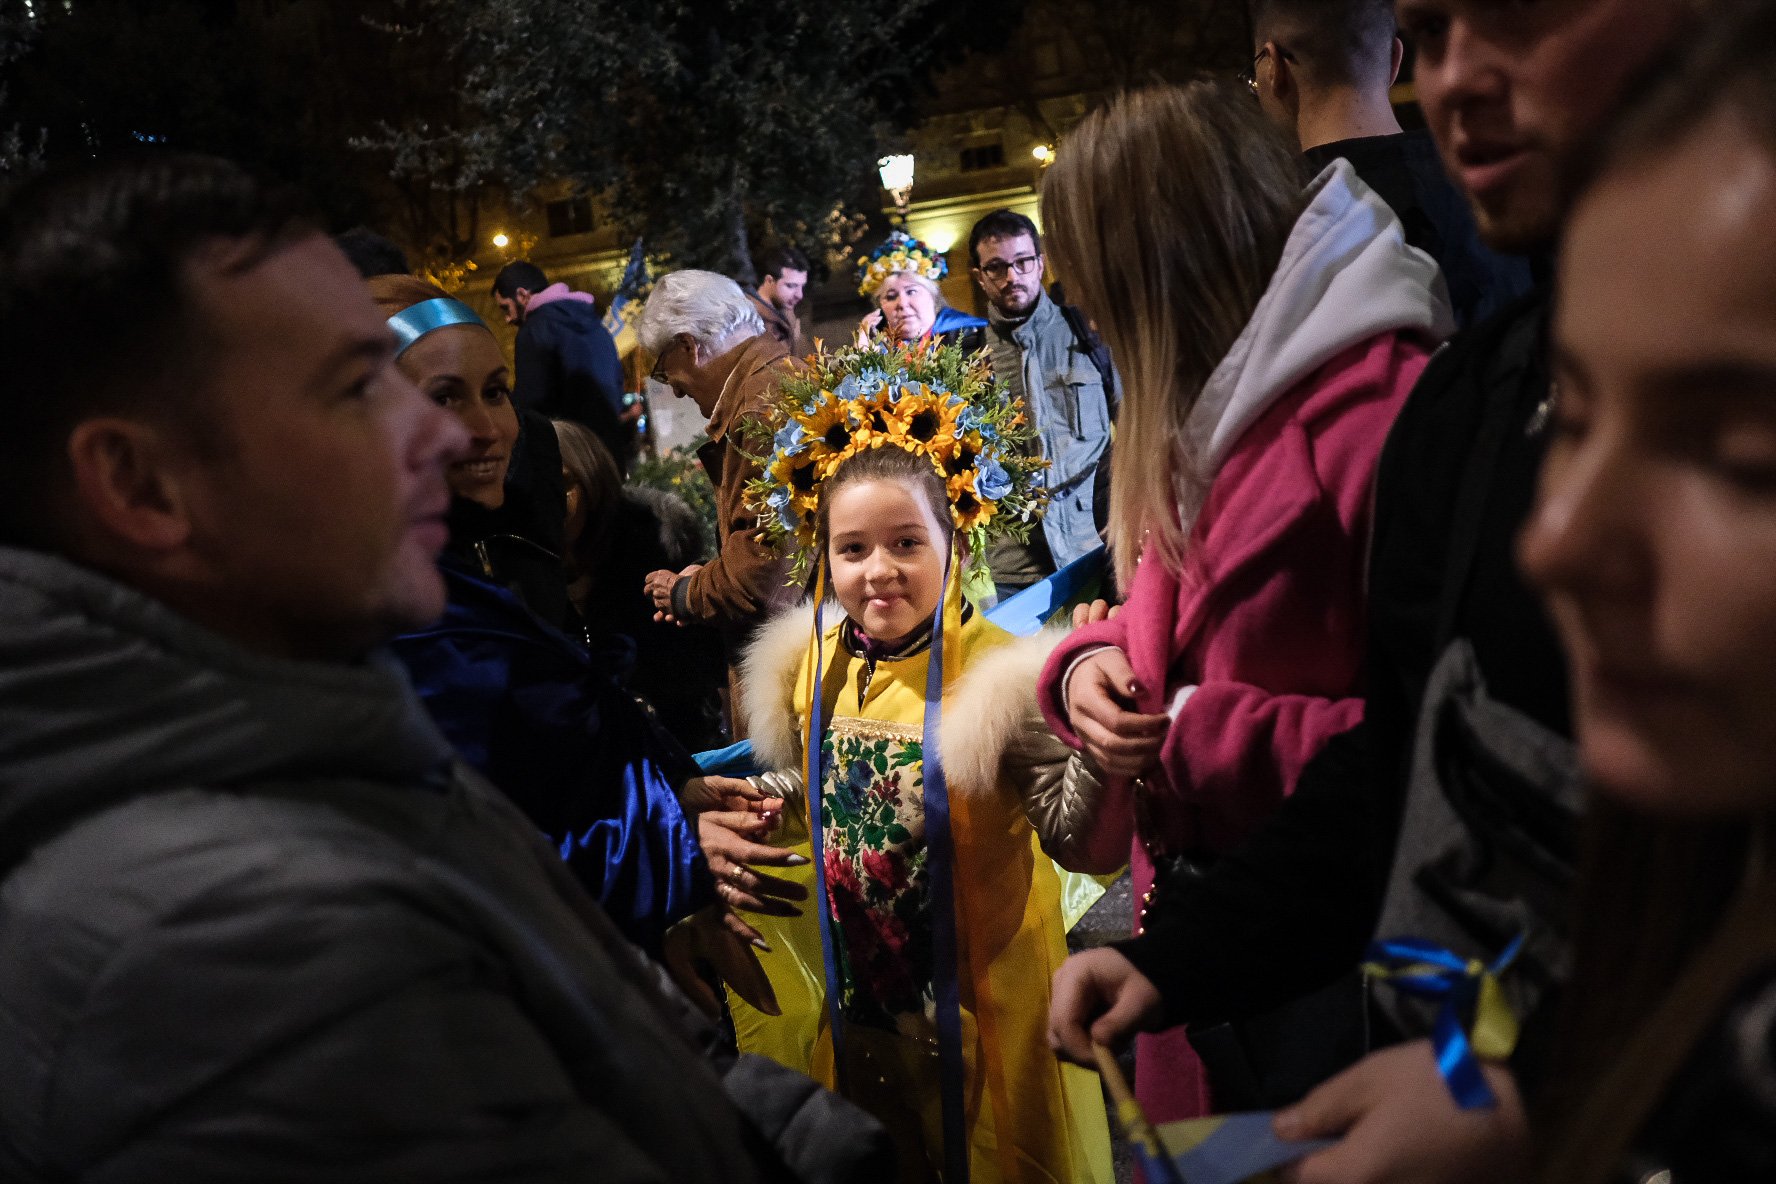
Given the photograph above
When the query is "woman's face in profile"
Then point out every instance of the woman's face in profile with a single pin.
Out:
(1654, 537)
(460, 366)
(908, 309)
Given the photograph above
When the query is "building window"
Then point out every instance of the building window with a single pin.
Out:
(983, 156)
(570, 216)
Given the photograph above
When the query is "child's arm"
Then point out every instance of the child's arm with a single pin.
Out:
(1084, 820)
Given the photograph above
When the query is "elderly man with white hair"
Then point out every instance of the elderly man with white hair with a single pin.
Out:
(711, 347)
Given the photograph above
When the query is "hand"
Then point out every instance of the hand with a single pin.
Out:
(1097, 610)
(1396, 1122)
(703, 939)
(657, 586)
(1099, 997)
(1100, 705)
(868, 328)
(730, 794)
(729, 844)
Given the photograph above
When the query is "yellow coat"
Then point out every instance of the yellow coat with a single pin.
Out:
(1049, 1116)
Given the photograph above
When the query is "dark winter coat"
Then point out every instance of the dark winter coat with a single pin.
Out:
(568, 368)
(1292, 910)
(260, 925)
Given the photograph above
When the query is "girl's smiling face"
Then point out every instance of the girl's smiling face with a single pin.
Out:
(887, 551)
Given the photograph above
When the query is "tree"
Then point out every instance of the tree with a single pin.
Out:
(19, 154)
(698, 122)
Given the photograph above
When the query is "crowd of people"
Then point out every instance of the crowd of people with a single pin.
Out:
(350, 827)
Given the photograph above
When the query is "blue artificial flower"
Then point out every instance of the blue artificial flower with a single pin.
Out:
(791, 439)
(779, 501)
(971, 420)
(991, 481)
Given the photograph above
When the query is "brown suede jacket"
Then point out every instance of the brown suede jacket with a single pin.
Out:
(744, 584)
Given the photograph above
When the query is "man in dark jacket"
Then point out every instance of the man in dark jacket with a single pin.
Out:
(257, 922)
(1293, 909)
(783, 280)
(565, 364)
(1322, 70)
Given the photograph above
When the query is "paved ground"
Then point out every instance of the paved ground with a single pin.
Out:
(1111, 918)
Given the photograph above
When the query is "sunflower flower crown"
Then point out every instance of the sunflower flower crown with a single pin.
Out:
(899, 252)
(934, 401)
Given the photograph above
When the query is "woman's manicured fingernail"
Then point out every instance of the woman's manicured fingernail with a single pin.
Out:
(759, 943)
(797, 861)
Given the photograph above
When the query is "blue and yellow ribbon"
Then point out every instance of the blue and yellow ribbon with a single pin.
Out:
(1465, 986)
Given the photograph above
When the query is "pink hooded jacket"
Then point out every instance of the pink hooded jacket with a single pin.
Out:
(1256, 647)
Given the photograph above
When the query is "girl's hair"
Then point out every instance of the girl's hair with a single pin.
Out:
(887, 464)
(1166, 214)
(589, 462)
(1671, 915)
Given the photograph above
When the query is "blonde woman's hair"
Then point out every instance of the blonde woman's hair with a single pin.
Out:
(1166, 213)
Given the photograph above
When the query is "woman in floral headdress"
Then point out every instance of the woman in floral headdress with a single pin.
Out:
(902, 277)
(916, 981)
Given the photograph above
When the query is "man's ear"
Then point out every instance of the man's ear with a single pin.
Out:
(128, 484)
(1398, 59)
(1282, 76)
(522, 297)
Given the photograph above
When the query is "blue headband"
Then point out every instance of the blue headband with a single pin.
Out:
(410, 324)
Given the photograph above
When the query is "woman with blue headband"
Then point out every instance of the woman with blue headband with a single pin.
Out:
(523, 701)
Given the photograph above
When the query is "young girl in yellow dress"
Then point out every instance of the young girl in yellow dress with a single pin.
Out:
(916, 981)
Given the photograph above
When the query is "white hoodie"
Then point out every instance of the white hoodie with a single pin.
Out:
(1346, 275)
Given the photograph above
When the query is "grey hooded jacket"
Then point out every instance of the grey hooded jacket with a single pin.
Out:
(257, 924)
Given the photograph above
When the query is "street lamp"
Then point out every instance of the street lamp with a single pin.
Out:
(1043, 153)
(501, 241)
(897, 179)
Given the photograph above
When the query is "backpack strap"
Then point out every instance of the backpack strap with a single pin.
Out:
(1090, 344)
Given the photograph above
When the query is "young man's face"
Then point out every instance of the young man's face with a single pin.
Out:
(1514, 93)
(1010, 273)
(785, 291)
(513, 306)
(317, 515)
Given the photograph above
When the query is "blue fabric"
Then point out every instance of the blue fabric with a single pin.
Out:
(954, 320)
(1026, 612)
(945, 946)
(410, 324)
(551, 727)
(736, 760)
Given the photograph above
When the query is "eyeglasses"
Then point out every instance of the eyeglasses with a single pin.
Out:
(1249, 75)
(659, 372)
(998, 269)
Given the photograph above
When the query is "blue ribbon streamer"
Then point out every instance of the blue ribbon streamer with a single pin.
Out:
(946, 987)
(816, 777)
(410, 324)
(1454, 983)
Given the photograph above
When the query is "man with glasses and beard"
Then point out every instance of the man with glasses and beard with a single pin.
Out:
(1047, 355)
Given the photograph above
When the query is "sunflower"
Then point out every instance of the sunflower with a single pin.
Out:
(968, 510)
(874, 415)
(830, 429)
(800, 475)
(962, 457)
(924, 423)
